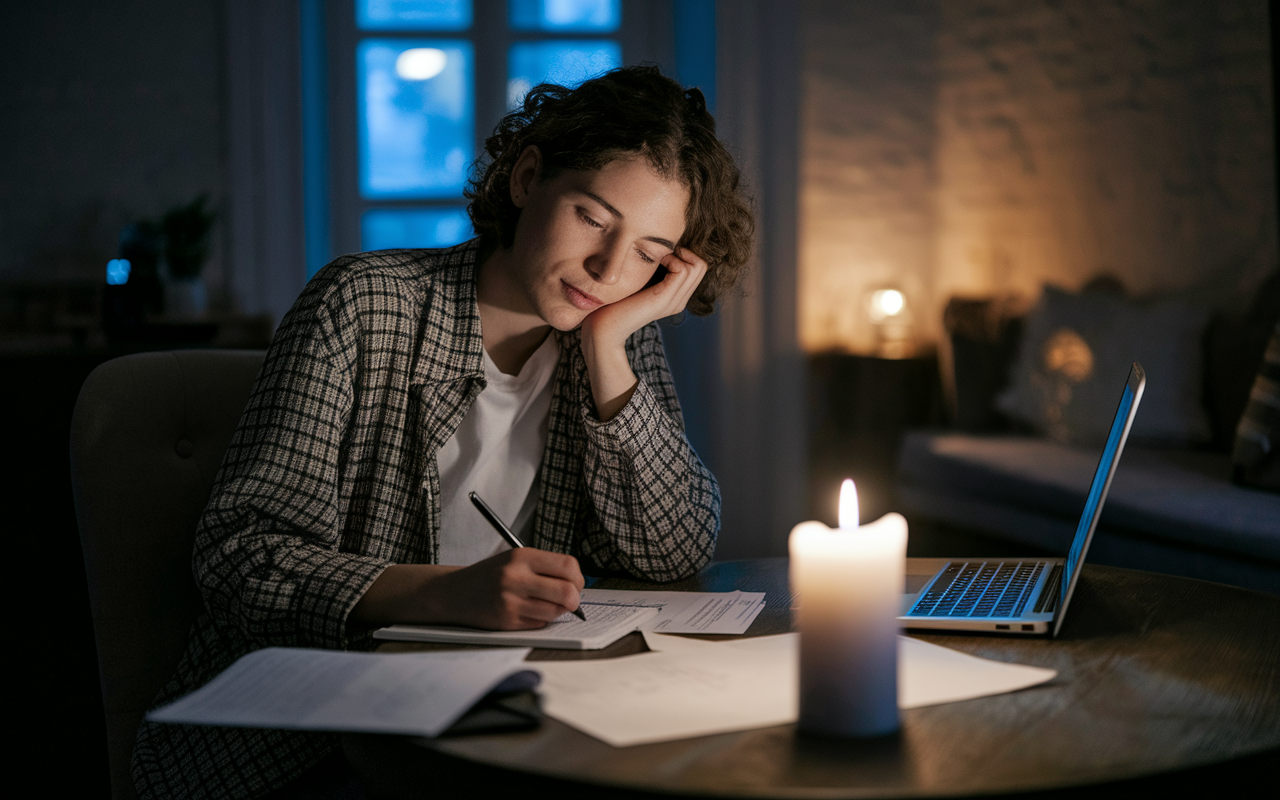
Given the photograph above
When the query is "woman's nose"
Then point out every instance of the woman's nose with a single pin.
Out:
(606, 264)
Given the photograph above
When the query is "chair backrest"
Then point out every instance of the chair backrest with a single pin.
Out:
(147, 438)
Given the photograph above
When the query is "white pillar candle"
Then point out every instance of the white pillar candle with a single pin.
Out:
(849, 582)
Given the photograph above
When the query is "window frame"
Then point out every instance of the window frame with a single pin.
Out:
(645, 35)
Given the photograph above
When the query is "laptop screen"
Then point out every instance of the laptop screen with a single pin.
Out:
(1101, 481)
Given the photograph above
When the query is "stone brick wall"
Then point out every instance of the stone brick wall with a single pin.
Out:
(989, 146)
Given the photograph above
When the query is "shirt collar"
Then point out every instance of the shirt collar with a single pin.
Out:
(451, 346)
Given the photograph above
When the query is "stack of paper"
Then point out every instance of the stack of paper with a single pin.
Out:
(611, 614)
(690, 688)
(685, 687)
(685, 612)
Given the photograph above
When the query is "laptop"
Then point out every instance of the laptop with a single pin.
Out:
(1028, 595)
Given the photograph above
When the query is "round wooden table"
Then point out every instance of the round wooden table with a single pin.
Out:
(1155, 674)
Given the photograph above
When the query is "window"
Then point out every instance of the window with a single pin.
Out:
(429, 86)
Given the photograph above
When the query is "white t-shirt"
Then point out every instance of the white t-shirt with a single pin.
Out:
(496, 453)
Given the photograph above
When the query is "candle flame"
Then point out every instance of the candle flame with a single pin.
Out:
(848, 504)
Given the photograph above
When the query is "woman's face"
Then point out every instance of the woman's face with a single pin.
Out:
(589, 238)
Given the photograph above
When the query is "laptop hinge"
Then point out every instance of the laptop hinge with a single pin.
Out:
(1048, 600)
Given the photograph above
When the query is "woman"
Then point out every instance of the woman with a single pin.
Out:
(525, 365)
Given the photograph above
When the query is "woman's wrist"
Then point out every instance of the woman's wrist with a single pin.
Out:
(403, 593)
(612, 379)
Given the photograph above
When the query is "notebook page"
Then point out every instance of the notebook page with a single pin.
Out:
(304, 689)
(603, 626)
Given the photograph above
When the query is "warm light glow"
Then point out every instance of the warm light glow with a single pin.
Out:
(886, 303)
(1068, 353)
(848, 504)
(421, 63)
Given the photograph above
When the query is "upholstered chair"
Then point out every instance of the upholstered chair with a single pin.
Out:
(147, 438)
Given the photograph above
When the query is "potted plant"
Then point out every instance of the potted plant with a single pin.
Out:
(186, 247)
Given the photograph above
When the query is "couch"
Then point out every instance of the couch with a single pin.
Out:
(1173, 506)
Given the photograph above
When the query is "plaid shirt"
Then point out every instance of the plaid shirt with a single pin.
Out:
(331, 477)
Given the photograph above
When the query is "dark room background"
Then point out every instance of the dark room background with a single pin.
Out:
(949, 147)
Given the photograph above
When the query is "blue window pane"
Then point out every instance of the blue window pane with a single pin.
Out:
(567, 63)
(417, 117)
(597, 16)
(387, 228)
(413, 15)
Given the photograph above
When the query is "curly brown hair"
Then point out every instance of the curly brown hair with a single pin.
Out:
(623, 113)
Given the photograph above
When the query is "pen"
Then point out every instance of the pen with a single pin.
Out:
(512, 539)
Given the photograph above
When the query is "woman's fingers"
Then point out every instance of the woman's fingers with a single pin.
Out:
(606, 329)
(694, 273)
(550, 590)
(533, 609)
(685, 271)
(551, 565)
(535, 587)
(514, 590)
(523, 613)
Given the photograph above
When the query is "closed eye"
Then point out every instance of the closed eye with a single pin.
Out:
(585, 217)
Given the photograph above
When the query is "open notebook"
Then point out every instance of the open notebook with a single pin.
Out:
(421, 694)
(604, 626)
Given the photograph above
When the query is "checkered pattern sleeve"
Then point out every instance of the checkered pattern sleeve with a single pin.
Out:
(657, 507)
(267, 555)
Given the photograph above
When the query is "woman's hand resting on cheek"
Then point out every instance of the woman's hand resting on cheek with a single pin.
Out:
(518, 589)
(605, 330)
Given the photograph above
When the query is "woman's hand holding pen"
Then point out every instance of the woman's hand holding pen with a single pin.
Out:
(518, 589)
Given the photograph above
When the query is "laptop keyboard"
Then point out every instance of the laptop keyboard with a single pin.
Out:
(980, 589)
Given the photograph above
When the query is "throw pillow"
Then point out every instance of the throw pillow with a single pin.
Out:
(1257, 452)
(1075, 353)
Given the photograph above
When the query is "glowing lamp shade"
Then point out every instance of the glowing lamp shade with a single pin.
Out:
(886, 303)
(891, 321)
(848, 504)
(421, 63)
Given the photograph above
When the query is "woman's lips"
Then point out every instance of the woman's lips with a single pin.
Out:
(580, 299)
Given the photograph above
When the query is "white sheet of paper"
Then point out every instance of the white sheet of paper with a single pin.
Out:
(330, 690)
(654, 697)
(687, 612)
(602, 627)
(928, 674)
(689, 687)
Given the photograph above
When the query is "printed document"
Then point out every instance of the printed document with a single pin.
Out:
(691, 687)
(330, 690)
(685, 612)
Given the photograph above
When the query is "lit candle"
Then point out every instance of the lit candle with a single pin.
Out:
(849, 583)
